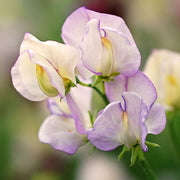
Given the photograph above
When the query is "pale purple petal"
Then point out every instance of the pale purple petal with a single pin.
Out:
(24, 78)
(126, 56)
(156, 119)
(91, 47)
(107, 130)
(60, 133)
(76, 114)
(136, 113)
(139, 83)
(74, 27)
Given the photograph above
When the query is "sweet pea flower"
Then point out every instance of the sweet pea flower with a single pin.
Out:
(44, 68)
(126, 122)
(60, 130)
(106, 44)
(139, 83)
(162, 68)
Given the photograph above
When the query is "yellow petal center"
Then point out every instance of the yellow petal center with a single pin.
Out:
(44, 82)
(107, 63)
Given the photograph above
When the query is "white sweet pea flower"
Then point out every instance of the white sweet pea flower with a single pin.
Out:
(106, 44)
(162, 68)
(44, 68)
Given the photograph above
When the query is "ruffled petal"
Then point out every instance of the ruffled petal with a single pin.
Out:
(60, 133)
(63, 57)
(107, 130)
(156, 119)
(74, 27)
(53, 75)
(139, 83)
(126, 56)
(25, 80)
(91, 47)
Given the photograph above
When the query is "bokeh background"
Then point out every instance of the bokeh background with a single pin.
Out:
(153, 23)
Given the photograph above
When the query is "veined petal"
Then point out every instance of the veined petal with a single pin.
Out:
(74, 27)
(126, 57)
(53, 75)
(139, 83)
(156, 119)
(63, 57)
(91, 47)
(60, 133)
(25, 80)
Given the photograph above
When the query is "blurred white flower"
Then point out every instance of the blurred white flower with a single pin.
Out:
(163, 68)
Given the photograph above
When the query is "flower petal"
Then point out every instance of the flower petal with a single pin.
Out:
(53, 75)
(60, 133)
(106, 132)
(91, 47)
(156, 119)
(63, 57)
(74, 27)
(25, 80)
(79, 102)
(138, 83)
(58, 107)
(126, 56)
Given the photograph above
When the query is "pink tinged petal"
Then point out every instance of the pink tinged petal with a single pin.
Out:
(63, 57)
(74, 27)
(107, 130)
(156, 119)
(60, 133)
(91, 47)
(139, 83)
(53, 75)
(126, 56)
(25, 80)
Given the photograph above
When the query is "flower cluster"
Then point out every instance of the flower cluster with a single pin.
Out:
(99, 50)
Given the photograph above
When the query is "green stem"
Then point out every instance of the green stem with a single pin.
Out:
(145, 166)
(147, 169)
(173, 137)
(103, 96)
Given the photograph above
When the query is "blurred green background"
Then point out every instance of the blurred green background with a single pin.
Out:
(153, 23)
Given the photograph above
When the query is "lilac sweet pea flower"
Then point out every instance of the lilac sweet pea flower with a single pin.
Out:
(60, 129)
(139, 83)
(127, 122)
(44, 68)
(106, 44)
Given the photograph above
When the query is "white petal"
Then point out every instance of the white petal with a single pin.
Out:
(63, 57)
(25, 80)
(91, 47)
(60, 133)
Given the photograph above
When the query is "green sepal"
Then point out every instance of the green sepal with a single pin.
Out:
(93, 148)
(134, 153)
(97, 80)
(124, 150)
(151, 144)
